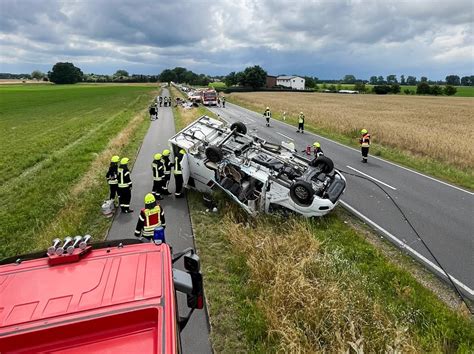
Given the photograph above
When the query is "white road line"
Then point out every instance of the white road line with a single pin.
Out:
(403, 245)
(286, 136)
(380, 159)
(375, 179)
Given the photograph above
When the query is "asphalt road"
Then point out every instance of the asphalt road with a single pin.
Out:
(195, 336)
(442, 214)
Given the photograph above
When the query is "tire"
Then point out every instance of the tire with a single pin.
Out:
(240, 127)
(214, 154)
(302, 193)
(324, 163)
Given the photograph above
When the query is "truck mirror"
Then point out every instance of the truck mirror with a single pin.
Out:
(195, 300)
(192, 263)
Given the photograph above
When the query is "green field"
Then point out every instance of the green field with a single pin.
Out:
(53, 136)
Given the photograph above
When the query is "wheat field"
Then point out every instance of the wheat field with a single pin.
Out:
(441, 128)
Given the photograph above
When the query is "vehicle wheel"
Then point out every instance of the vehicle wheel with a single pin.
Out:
(302, 193)
(324, 163)
(240, 127)
(214, 153)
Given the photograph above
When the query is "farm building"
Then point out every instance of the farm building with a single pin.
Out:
(270, 81)
(294, 82)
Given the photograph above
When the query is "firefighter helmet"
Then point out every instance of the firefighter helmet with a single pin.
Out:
(124, 161)
(363, 131)
(316, 144)
(182, 152)
(149, 198)
(115, 159)
(157, 156)
(166, 152)
(268, 108)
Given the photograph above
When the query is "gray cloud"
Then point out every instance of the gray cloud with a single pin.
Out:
(324, 38)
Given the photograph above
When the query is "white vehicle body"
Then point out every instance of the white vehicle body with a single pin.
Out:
(259, 176)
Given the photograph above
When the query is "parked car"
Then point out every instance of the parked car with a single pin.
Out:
(258, 175)
(116, 296)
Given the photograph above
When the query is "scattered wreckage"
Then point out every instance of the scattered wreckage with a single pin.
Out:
(260, 176)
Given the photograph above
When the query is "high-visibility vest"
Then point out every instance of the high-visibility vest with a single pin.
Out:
(152, 221)
(301, 119)
(166, 165)
(177, 165)
(157, 167)
(365, 140)
(267, 113)
(122, 174)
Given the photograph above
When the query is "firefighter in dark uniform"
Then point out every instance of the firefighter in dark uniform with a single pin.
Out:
(152, 112)
(364, 144)
(151, 217)
(300, 123)
(317, 149)
(124, 186)
(267, 115)
(166, 170)
(161, 100)
(158, 176)
(178, 173)
(112, 175)
(223, 101)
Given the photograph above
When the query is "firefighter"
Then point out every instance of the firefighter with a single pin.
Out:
(158, 176)
(161, 100)
(166, 101)
(178, 173)
(112, 175)
(166, 170)
(151, 217)
(267, 115)
(124, 186)
(152, 112)
(317, 149)
(223, 101)
(300, 123)
(364, 144)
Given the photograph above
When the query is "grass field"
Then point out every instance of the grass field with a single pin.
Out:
(276, 284)
(56, 146)
(431, 134)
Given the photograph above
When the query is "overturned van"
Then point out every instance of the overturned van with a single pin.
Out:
(260, 176)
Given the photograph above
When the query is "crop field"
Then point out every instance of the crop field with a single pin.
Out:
(56, 141)
(440, 128)
(462, 91)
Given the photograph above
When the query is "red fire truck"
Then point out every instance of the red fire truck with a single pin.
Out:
(209, 97)
(117, 296)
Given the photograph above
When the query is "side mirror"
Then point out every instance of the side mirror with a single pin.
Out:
(192, 263)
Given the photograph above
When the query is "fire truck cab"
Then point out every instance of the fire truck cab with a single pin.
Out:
(116, 296)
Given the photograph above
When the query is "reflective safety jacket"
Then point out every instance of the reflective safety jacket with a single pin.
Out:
(301, 119)
(158, 170)
(149, 220)
(365, 140)
(166, 165)
(124, 180)
(318, 152)
(178, 169)
(267, 113)
(112, 174)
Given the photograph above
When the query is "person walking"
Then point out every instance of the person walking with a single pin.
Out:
(124, 186)
(223, 101)
(364, 144)
(152, 112)
(112, 177)
(300, 123)
(267, 115)
(151, 217)
(160, 100)
(166, 170)
(178, 173)
(158, 176)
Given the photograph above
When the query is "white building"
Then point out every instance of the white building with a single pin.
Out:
(294, 82)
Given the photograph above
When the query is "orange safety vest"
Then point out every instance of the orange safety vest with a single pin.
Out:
(152, 221)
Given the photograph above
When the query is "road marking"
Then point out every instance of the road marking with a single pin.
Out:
(403, 245)
(375, 179)
(379, 158)
(286, 136)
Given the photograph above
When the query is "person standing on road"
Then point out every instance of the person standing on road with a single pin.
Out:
(267, 115)
(158, 176)
(166, 170)
(152, 112)
(161, 100)
(112, 176)
(124, 186)
(300, 123)
(178, 173)
(151, 217)
(223, 101)
(364, 144)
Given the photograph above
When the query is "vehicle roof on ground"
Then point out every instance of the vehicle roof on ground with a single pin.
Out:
(109, 283)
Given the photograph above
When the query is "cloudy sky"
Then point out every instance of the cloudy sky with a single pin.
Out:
(323, 38)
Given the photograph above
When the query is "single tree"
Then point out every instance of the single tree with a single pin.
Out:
(167, 75)
(349, 79)
(231, 79)
(423, 88)
(450, 90)
(436, 90)
(453, 80)
(392, 79)
(254, 76)
(411, 80)
(402, 80)
(380, 80)
(373, 80)
(121, 73)
(395, 88)
(65, 73)
(360, 86)
(423, 79)
(467, 81)
(38, 75)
